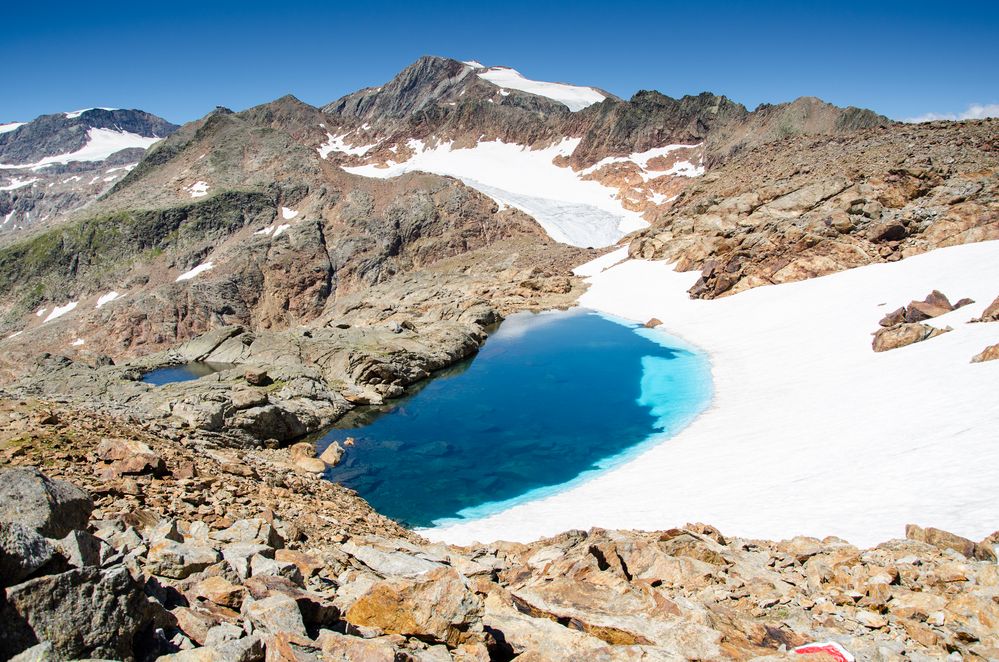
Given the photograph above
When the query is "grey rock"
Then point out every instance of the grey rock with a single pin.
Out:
(53, 508)
(261, 565)
(42, 652)
(238, 556)
(22, 552)
(223, 633)
(390, 563)
(84, 613)
(275, 613)
(177, 560)
(253, 530)
(81, 548)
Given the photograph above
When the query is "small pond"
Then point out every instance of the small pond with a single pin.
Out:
(550, 399)
(184, 372)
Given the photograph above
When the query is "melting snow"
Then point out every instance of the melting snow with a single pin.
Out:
(40, 312)
(107, 298)
(288, 214)
(474, 64)
(59, 311)
(641, 159)
(337, 144)
(573, 211)
(602, 263)
(101, 143)
(16, 183)
(269, 229)
(78, 342)
(201, 268)
(810, 432)
(7, 218)
(5, 128)
(198, 189)
(281, 228)
(573, 96)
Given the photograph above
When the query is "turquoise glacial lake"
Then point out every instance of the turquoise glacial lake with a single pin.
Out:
(550, 400)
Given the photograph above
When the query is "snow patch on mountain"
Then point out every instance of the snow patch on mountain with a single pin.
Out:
(198, 189)
(107, 298)
(11, 126)
(101, 143)
(572, 211)
(76, 113)
(573, 96)
(59, 311)
(288, 214)
(17, 182)
(193, 273)
(337, 144)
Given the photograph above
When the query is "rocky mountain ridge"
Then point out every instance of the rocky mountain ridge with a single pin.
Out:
(60, 163)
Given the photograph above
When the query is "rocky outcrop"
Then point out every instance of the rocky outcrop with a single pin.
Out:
(900, 335)
(807, 206)
(936, 303)
(990, 353)
(991, 313)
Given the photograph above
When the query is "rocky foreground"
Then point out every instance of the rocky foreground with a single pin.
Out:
(118, 543)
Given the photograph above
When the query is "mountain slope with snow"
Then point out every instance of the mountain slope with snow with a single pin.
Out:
(60, 163)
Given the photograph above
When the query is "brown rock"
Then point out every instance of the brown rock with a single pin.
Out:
(653, 323)
(127, 456)
(220, 591)
(990, 353)
(275, 613)
(256, 377)
(901, 335)
(436, 605)
(896, 316)
(991, 313)
(307, 564)
(354, 649)
(332, 454)
(947, 540)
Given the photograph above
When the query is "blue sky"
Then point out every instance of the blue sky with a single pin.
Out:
(181, 59)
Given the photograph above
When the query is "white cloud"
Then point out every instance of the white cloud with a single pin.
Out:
(975, 111)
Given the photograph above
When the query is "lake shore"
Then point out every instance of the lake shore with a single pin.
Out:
(810, 431)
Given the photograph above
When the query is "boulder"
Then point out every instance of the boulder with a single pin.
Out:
(275, 613)
(85, 613)
(354, 649)
(307, 564)
(436, 606)
(127, 457)
(168, 558)
(219, 591)
(22, 552)
(991, 313)
(262, 565)
(253, 530)
(256, 377)
(990, 353)
(52, 508)
(332, 454)
(904, 334)
(947, 540)
(238, 556)
(653, 323)
(81, 549)
(245, 398)
(896, 316)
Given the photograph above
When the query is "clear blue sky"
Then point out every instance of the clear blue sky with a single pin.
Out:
(181, 59)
